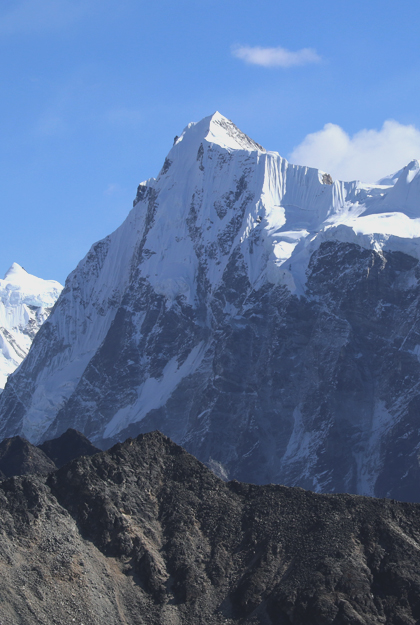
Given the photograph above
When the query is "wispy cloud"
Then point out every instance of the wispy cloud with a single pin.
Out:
(275, 57)
(368, 155)
(26, 16)
(112, 189)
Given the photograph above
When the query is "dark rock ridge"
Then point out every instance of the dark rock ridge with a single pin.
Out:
(145, 534)
(19, 457)
(195, 317)
(67, 447)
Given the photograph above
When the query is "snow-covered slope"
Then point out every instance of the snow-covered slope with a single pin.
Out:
(25, 303)
(256, 311)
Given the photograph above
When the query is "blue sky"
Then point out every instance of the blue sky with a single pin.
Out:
(93, 93)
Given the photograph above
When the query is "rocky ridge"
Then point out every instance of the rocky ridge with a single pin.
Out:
(70, 445)
(145, 534)
(19, 457)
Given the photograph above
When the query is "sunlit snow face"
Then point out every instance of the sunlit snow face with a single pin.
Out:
(19, 286)
(289, 210)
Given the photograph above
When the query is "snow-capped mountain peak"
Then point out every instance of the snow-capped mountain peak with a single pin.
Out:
(223, 132)
(20, 287)
(25, 303)
(247, 307)
(14, 270)
(216, 129)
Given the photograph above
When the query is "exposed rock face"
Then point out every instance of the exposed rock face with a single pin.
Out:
(70, 445)
(145, 534)
(259, 315)
(19, 457)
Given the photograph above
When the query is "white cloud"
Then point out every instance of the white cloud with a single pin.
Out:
(368, 155)
(41, 15)
(112, 189)
(275, 57)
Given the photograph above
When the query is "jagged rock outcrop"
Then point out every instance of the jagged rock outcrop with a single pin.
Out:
(145, 534)
(70, 445)
(251, 310)
(19, 457)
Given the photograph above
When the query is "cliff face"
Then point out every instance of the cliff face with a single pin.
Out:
(257, 312)
(145, 534)
(318, 391)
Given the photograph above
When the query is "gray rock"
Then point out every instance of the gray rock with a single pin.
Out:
(144, 535)
(19, 457)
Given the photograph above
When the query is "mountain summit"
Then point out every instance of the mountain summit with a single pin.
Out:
(260, 313)
(218, 130)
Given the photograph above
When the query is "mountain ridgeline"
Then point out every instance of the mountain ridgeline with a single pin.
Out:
(261, 314)
(145, 534)
(19, 457)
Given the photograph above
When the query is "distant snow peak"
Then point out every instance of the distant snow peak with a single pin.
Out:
(14, 271)
(19, 286)
(25, 303)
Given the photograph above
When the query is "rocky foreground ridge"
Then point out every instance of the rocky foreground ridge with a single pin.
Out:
(145, 534)
(19, 457)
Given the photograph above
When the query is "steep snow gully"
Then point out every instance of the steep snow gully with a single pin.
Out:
(260, 313)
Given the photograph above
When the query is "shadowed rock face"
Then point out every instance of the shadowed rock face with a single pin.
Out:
(145, 534)
(70, 445)
(19, 457)
(318, 391)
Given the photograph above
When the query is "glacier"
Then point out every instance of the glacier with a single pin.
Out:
(258, 312)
